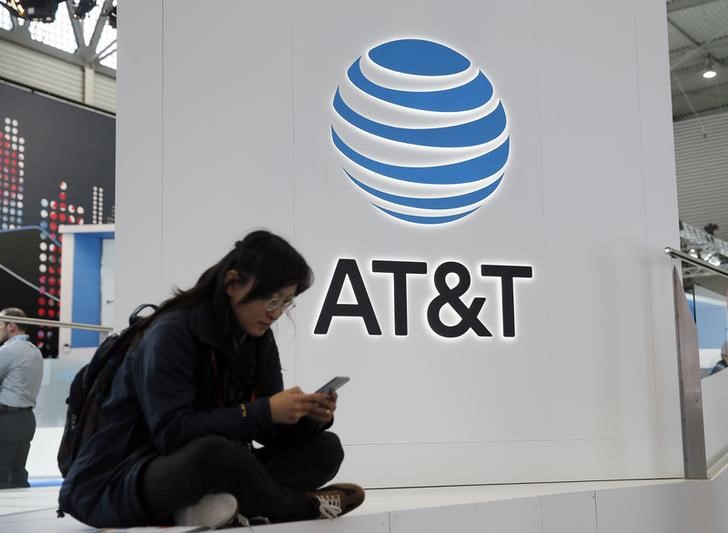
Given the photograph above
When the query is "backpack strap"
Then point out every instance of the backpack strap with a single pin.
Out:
(135, 315)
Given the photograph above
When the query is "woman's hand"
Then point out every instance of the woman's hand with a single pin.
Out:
(290, 405)
(323, 408)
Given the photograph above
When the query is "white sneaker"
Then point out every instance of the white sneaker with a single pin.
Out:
(213, 511)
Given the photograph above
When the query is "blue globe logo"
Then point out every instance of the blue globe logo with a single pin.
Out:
(422, 132)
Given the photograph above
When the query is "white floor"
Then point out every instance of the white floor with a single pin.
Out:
(34, 510)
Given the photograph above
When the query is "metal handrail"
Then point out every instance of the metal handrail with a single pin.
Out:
(695, 261)
(54, 323)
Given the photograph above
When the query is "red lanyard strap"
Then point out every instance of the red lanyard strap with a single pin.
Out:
(213, 359)
(220, 403)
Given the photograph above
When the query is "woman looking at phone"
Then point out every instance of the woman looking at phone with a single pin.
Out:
(200, 383)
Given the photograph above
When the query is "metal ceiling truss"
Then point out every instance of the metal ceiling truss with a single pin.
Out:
(708, 46)
(690, 60)
(85, 55)
(697, 48)
(673, 6)
(704, 112)
(702, 245)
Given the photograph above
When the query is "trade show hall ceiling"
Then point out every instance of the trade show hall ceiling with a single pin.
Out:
(698, 37)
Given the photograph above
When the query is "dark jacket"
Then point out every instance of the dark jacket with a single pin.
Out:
(166, 394)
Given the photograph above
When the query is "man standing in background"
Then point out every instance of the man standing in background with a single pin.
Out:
(21, 374)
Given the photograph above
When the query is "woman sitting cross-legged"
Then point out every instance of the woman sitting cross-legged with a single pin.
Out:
(200, 383)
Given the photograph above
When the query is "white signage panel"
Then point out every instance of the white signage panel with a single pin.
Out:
(483, 202)
(435, 146)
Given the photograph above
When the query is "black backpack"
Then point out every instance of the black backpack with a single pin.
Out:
(90, 387)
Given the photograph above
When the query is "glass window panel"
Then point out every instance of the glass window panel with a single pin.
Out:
(710, 312)
(5, 22)
(89, 23)
(58, 34)
(110, 61)
(108, 36)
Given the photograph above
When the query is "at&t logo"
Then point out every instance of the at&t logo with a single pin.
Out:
(421, 130)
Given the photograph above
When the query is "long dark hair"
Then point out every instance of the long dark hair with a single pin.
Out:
(263, 257)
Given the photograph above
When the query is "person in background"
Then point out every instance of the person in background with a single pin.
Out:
(200, 383)
(723, 363)
(21, 374)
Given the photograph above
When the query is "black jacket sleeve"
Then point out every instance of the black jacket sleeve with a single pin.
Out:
(282, 434)
(166, 384)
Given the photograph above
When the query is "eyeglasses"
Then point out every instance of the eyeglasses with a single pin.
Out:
(274, 303)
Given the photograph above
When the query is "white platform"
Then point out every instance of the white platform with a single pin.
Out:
(659, 506)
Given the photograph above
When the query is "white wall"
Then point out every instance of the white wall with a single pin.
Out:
(139, 170)
(230, 130)
(715, 398)
(42, 457)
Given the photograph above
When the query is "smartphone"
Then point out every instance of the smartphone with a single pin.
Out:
(334, 384)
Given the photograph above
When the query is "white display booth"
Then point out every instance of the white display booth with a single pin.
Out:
(313, 120)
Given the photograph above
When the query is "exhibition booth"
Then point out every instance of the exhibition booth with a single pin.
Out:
(485, 206)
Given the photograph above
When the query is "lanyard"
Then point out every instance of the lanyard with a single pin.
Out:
(220, 402)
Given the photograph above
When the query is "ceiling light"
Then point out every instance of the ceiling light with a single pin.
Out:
(112, 17)
(709, 73)
(81, 9)
(40, 10)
